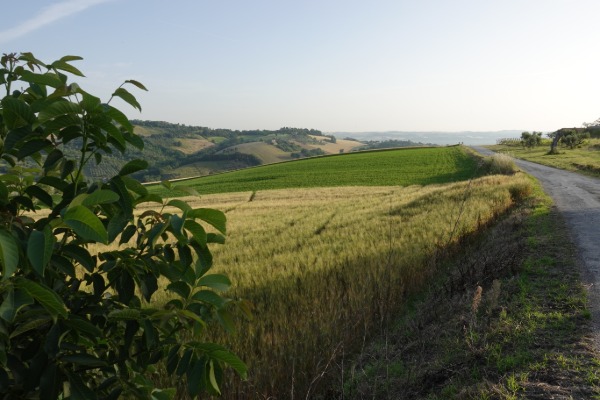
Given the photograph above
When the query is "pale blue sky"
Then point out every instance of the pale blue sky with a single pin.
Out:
(333, 65)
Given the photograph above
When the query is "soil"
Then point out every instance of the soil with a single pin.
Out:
(577, 198)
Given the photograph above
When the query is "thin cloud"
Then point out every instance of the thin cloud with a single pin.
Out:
(47, 16)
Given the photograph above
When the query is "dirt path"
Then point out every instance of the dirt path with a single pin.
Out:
(577, 197)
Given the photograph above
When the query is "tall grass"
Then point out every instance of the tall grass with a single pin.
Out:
(326, 267)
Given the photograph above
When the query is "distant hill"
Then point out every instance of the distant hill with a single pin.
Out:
(439, 138)
(178, 151)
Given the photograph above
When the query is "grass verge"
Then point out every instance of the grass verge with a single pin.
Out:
(508, 320)
(584, 159)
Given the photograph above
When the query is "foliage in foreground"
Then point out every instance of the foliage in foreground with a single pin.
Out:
(81, 325)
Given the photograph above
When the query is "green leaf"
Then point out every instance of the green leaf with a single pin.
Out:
(176, 223)
(102, 196)
(89, 102)
(33, 146)
(182, 205)
(39, 249)
(46, 297)
(40, 194)
(197, 231)
(50, 385)
(212, 379)
(84, 359)
(30, 325)
(70, 58)
(215, 218)
(116, 226)
(133, 166)
(58, 109)
(80, 325)
(216, 282)
(16, 112)
(181, 288)
(163, 394)
(3, 193)
(65, 66)
(118, 117)
(232, 360)
(150, 334)
(14, 300)
(209, 297)
(173, 359)
(47, 79)
(81, 255)
(184, 363)
(196, 377)
(137, 84)
(86, 224)
(149, 198)
(9, 254)
(125, 201)
(134, 185)
(127, 233)
(127, 97)
(79, 391)
(215, 238)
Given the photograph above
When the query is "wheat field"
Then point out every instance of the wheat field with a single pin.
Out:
(325, 267)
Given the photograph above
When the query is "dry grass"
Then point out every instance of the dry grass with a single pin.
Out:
(325, 268)
(191, 146)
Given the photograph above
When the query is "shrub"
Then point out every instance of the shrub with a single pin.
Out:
(77, 323)
(502, 164)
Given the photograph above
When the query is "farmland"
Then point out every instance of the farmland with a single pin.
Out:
(402, 167)
(326, 267)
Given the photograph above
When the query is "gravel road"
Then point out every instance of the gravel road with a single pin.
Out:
(577, 198)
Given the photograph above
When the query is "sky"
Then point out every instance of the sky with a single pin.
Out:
(332, 65)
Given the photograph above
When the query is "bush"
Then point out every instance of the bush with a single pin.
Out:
(82, 324)
(501, 164)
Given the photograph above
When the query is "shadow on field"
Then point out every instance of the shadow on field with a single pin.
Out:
(311, 352)
(508, 320)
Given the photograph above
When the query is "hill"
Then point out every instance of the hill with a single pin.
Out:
(177, 151)
(439, 138)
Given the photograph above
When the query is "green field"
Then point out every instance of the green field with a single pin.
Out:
(398, 167)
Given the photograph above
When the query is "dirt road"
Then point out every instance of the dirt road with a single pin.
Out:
(577, 197)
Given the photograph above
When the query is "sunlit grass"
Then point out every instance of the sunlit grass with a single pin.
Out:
(585, 158)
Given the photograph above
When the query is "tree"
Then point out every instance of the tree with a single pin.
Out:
(79, 323)
(569, 137)
(573, 137)
(531, 140)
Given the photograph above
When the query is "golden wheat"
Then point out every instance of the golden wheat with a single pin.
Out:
(324, 267)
